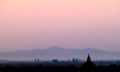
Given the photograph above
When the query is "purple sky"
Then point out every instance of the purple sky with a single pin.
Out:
(31, 24)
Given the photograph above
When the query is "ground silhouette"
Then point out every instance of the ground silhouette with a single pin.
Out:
(87, 66)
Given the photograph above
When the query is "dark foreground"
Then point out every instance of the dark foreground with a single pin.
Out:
(111, 68)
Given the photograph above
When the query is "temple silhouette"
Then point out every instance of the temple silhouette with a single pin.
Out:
(88, 64)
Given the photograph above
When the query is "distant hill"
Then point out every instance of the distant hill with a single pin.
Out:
(60, 53)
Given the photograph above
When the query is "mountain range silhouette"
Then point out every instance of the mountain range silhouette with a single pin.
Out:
(59, 53)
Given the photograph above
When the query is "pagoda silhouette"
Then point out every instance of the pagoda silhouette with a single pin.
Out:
(88, 64)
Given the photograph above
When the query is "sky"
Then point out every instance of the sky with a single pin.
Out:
(33, 24)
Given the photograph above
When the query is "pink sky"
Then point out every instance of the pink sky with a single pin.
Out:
(31, 24)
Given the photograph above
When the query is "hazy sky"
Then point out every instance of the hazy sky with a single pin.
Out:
(32, 24)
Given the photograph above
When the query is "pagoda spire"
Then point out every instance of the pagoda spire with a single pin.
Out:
(88, 58)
